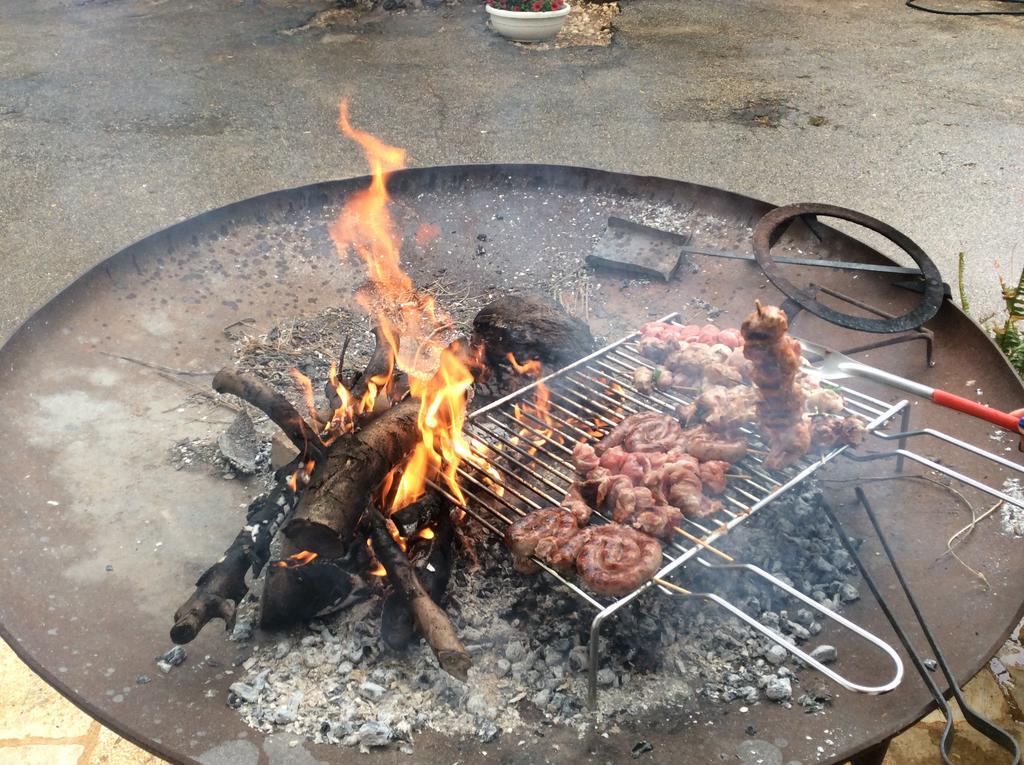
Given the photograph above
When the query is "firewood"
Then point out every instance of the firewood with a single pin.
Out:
(431, 620)
(432, 559)
(530, 327)
(314, 589)
(274, 405)
(326, 518)
(222, 586)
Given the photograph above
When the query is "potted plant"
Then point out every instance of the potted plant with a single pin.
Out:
(527, 20)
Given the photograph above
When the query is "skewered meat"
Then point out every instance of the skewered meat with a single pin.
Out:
(830, 432)
(577, 505)
(820, 400)
(584, 458)
(616, 559)
(643, 379)
(706, 445)
(775, 360)
(658, 521)
(712, 475)
(550, 534)
(646, 380)
(722, 409)
(786, 445)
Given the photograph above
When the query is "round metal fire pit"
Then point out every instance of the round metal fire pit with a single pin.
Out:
(104, 538)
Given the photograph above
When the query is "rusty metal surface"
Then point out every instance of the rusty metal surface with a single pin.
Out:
(104, 537)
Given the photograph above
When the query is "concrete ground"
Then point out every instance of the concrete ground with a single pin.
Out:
(120, 117)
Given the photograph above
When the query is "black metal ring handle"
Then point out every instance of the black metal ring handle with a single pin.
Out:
(770, 228)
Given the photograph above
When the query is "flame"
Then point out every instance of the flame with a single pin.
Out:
(440, 375)
(301, 475)
(297, 560)
(425, 533)
(306, 386)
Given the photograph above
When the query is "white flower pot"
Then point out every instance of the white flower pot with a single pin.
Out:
(527, 26)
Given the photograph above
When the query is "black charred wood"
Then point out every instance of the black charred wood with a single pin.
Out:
(419, 514)
(313, 589)
(530, 327)
(430, 619)
(274, 405)
(432, 560)
(221, 587)
(326, 520)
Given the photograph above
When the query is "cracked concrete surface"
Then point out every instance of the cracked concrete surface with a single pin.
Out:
(120, 118)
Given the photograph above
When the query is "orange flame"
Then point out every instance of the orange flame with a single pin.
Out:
(538, 411)
(306, 386)
(412, 325)
(297, 560)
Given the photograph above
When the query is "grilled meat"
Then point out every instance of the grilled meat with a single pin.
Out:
(616, 559)
(550, 534)
(775, 360)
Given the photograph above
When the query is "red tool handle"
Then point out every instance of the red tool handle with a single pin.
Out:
(1003, 419)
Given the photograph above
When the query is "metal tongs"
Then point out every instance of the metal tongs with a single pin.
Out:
(832, 366)
(981, 724)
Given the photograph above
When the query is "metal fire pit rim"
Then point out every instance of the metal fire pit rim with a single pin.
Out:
(21, 332)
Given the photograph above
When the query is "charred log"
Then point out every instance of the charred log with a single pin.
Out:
(274, 405)
(315, 588)
(326, 519)
(432, 561)
(420, 514)
(530, 327)
(430, 619)
(222, 586)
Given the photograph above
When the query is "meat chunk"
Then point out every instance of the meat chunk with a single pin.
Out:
(706, 445)
(712, 475)
(775, 361)
(577, 505)
(550, 534)
(643, 432)
(617, 559)
(830, 432)
(584, 458)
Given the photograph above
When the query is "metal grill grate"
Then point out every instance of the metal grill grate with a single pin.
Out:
(531, 460)
(526, 465)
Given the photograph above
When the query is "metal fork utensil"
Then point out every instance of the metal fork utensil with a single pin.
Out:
(832, 366)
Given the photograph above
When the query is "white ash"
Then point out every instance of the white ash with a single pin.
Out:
(335, 682)
(1012, 516)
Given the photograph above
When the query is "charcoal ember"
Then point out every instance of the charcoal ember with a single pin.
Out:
(848, 593)
(371, 734)
(606, 677)
(579, 658)
(776, 654)
(244, 691)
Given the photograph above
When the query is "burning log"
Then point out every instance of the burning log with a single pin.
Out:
(274, 405)
(431, 620)
(530, 327)
(325, 521)
(222, 586)
(431, 553)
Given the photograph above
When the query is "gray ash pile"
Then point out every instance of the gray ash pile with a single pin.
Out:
(336, 682)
